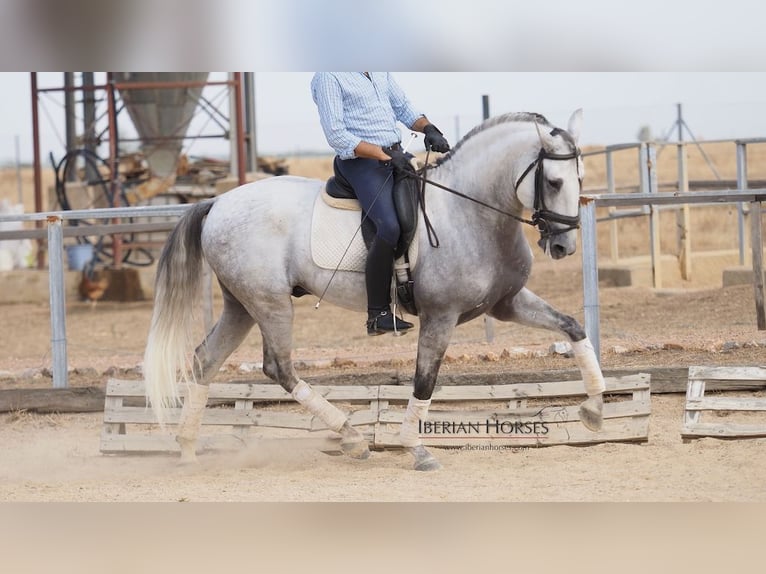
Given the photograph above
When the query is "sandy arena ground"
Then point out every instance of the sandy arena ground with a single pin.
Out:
(55, 457)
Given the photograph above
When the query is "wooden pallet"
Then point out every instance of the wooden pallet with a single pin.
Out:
(697, 403)
(513, 415)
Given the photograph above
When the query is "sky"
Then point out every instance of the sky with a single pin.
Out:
(715, 105)
(627, 64)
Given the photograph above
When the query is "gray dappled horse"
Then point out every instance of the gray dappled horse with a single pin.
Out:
(256, 239)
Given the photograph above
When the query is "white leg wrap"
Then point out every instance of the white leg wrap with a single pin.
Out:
(318, 406)
(586, 360)
(417, 410)
(192, 411)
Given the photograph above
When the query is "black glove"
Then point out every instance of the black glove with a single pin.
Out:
(435, 140)
(399, 159)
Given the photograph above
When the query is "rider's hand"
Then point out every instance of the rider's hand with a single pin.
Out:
(399, 159)
(435, 140)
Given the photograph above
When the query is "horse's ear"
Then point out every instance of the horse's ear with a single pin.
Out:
(575, 124)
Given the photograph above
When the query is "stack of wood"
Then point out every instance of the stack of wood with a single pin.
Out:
(141, 185)
(133, 168)
(201, 171)
(273, 166)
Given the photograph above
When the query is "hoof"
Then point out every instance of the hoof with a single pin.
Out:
(352, 443)
(188, 451)
(356, 449)
(424, 460)
(591, 413)
(188, 459)
(426, 465)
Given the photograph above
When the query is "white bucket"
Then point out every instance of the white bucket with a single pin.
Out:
(78, 256)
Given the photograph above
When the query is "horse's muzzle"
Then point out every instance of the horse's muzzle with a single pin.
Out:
(557, 246)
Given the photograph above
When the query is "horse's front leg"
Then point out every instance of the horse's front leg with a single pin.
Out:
(432, 344)
(528, 309)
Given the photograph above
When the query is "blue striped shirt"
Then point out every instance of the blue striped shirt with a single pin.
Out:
(353, 108)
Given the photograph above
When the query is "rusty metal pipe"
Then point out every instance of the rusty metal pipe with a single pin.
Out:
(239, 128)
(37, 167)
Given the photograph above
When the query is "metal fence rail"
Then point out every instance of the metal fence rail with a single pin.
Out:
(55, 233)
(589, 203)
(647, 154)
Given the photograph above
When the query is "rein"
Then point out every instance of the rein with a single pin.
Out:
(541, 217)
(433, 239)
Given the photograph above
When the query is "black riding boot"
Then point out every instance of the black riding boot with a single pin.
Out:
(380, 262)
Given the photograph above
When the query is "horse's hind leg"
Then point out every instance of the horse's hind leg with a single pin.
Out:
(232, 328)
(275, 319)
(528, 309)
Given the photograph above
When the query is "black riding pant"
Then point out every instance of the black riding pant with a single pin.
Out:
(373, 183)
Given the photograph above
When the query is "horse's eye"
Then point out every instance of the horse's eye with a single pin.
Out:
(555, 184)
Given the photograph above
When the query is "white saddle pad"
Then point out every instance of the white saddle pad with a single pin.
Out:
(336, 238)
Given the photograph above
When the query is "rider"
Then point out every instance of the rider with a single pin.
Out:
(358, 112)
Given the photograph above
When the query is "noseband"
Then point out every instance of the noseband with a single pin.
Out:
(542, 217)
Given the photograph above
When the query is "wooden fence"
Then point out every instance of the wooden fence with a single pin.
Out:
(512, 415)
(748, 410)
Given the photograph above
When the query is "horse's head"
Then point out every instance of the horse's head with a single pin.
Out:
(550, 187)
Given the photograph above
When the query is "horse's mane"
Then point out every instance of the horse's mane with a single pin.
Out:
(494, 121)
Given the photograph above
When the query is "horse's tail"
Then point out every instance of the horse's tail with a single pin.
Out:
(177, 288)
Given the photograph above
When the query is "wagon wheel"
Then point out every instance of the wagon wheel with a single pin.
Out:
(84, 181)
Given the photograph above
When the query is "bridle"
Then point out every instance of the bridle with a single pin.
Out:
(542, 216)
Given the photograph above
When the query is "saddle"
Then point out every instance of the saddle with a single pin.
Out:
(338, 193)
(405, 202)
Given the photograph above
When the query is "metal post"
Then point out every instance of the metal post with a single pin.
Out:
(590, 273)
(654, 216)
(643, 163)
(233, 160)
(485, 107)
(742, 185)
(239, 128)
(757, 242)
(19, 187)
(489, 322)
(89, 122)
(614, 250)
(57, 301)
(114, 166)
(69, 119)
(680, 122)
(683, 217)
(37, 167)
(250, 135)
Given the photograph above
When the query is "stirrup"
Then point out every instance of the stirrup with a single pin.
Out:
(386, 322)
